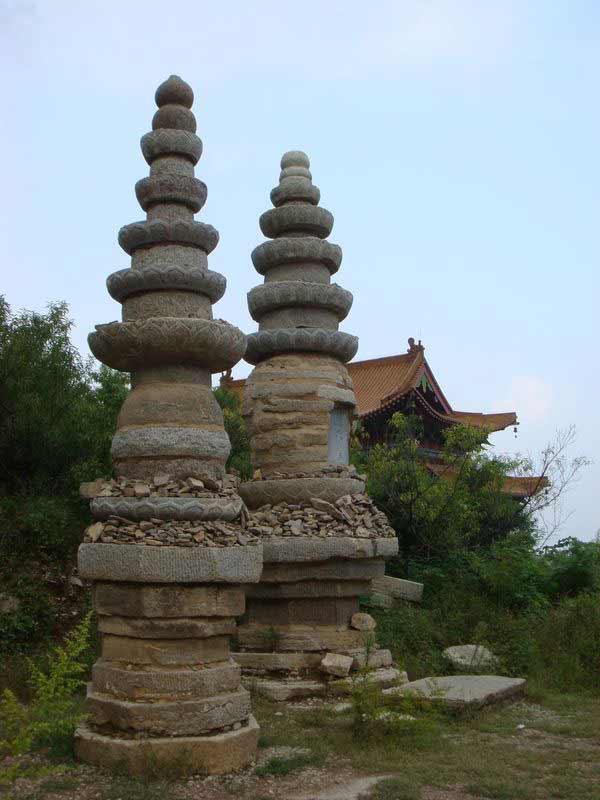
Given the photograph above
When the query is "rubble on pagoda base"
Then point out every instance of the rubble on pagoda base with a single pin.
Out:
(165, 693)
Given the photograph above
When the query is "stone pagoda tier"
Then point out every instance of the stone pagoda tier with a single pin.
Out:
(169, 551)
(323, 540)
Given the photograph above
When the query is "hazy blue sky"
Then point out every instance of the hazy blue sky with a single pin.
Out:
(455, 141)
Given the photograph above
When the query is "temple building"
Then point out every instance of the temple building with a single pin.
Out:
(406, 383)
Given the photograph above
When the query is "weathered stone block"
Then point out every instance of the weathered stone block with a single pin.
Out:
(398, 588)
(299, 638)
(114, 562)
(286, 689)
(305, 589)
(160, 684)
(351, 570)
(295, 490)
(377, 659)
(363, 622)
(209, 755)
(172, 628)
(177, 718)
(135, 600)
(317, 611)
(277, 662)
(336, 664)
(461, 692)
(165, 652)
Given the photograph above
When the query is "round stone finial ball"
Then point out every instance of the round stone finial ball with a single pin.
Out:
(174, 91)
(294, 158)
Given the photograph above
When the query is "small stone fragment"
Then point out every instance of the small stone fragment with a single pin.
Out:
(362, 622)
(336, 664)
(94, 532)
(91, 489)
(141, 490)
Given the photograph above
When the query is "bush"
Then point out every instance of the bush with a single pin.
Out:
(49, 721)
(30, 622)
(239, 457)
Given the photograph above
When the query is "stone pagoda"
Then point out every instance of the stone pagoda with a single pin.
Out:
(169, 549)
(323, 540)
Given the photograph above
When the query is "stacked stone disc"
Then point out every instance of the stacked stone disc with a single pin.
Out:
(165, 692)
(299, 406)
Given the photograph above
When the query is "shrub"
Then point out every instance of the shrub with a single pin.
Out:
(49, 721)
(31, 621)
(239, 457)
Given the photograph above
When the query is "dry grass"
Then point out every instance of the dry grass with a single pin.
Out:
(555, 755)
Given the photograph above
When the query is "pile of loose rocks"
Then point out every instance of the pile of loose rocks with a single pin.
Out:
(350, 516)
(158, 533)
(330, 471)
(161, 486)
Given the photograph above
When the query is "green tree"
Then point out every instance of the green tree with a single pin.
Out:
(57, 417)
(239, 458)
(443, 515)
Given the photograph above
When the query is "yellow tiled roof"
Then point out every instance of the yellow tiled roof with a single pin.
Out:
(378, 382)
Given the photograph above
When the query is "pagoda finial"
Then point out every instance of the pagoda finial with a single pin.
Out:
(174, 91)
(298, 308)
(168, 338)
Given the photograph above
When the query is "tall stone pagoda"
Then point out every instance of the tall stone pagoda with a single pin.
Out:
(169, 550)
(323, 540)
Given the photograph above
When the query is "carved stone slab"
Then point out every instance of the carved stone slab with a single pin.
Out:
(295, 549)
(137, 563)
(168, 508)
(295, 490)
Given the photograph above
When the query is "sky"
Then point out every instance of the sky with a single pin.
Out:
(455, 142)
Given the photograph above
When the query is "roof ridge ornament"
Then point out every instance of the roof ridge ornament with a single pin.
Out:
(415, 348)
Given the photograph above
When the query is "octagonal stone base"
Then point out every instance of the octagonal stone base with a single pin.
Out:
(184, 755)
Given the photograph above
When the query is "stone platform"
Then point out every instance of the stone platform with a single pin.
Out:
(165, 692)
(305, 607)
(186, 755)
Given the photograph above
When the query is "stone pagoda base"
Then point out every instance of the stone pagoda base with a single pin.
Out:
(165, 691)
(305, 607)
(210, 755)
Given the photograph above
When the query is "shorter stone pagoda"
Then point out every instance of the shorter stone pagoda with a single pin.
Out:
(169, 551)
(323, 540)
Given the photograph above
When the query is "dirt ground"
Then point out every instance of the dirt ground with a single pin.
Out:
(536, 749)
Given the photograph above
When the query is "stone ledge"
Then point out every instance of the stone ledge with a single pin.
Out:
(176, 718)
(267, 343)
(122, 681)
(277, 662)
(126, 282)
(295, 490)
(167, 508)
(151, 232)
(159, 341)
(302, 250)
(168, 600)
(210, 755)
(299, 548)
(171, 142)
(172, 628)
(141, 564)
(284, 294)
(398, 588)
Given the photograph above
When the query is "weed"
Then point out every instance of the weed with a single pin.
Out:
(394, 789)
(50, 719)
(125, 788)
(283, 766)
